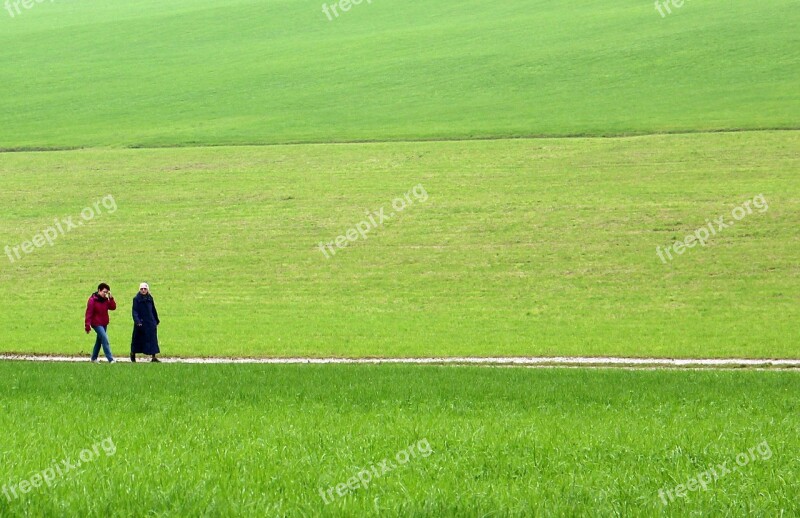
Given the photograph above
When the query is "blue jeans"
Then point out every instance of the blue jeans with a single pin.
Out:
(102, 339)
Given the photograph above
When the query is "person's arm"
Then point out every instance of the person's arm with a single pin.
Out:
(89, 312)
(136, 319)
(112, 304)
(155, 313)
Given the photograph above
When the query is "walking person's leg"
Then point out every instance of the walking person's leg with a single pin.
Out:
(97, 343)
(151, 336)
(134, 338)
(102, 335)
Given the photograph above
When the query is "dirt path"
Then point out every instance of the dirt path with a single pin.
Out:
(521, 361)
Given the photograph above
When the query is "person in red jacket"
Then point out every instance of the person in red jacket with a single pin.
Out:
(100, 303)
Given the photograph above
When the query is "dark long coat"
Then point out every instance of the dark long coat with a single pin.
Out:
(145, 336)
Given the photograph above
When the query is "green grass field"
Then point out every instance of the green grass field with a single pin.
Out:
(522, 247)
(262, 440)
(558, 146)
(152, 73)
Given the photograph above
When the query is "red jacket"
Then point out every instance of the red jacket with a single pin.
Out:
(97, 310)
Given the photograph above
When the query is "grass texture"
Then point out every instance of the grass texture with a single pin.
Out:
(203, 72)
(250, 440)
(522, 247)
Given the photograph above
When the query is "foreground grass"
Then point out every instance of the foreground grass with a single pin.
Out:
(262, 440)
(154, 73)
(542, 247)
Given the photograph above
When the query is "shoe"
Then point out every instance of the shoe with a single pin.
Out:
(95, 361)
(155, 360)
(133, 357)
(112, 361)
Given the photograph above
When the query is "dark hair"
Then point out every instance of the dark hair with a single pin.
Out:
(103, 286)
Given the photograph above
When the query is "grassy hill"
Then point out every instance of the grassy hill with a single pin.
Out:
(152, 73)
(525, 246)
(520, 247)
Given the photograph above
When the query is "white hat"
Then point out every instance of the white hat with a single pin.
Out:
(144, 285)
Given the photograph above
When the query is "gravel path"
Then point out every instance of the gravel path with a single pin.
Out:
(523, 361)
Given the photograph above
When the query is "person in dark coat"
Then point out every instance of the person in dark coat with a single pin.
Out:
(145, 324)
(97, 308)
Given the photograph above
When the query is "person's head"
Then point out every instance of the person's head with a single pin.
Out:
(144, 288)
(103, 288)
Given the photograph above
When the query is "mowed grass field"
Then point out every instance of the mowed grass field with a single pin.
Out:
(184, 72)
(520, 247)
(263, 440)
